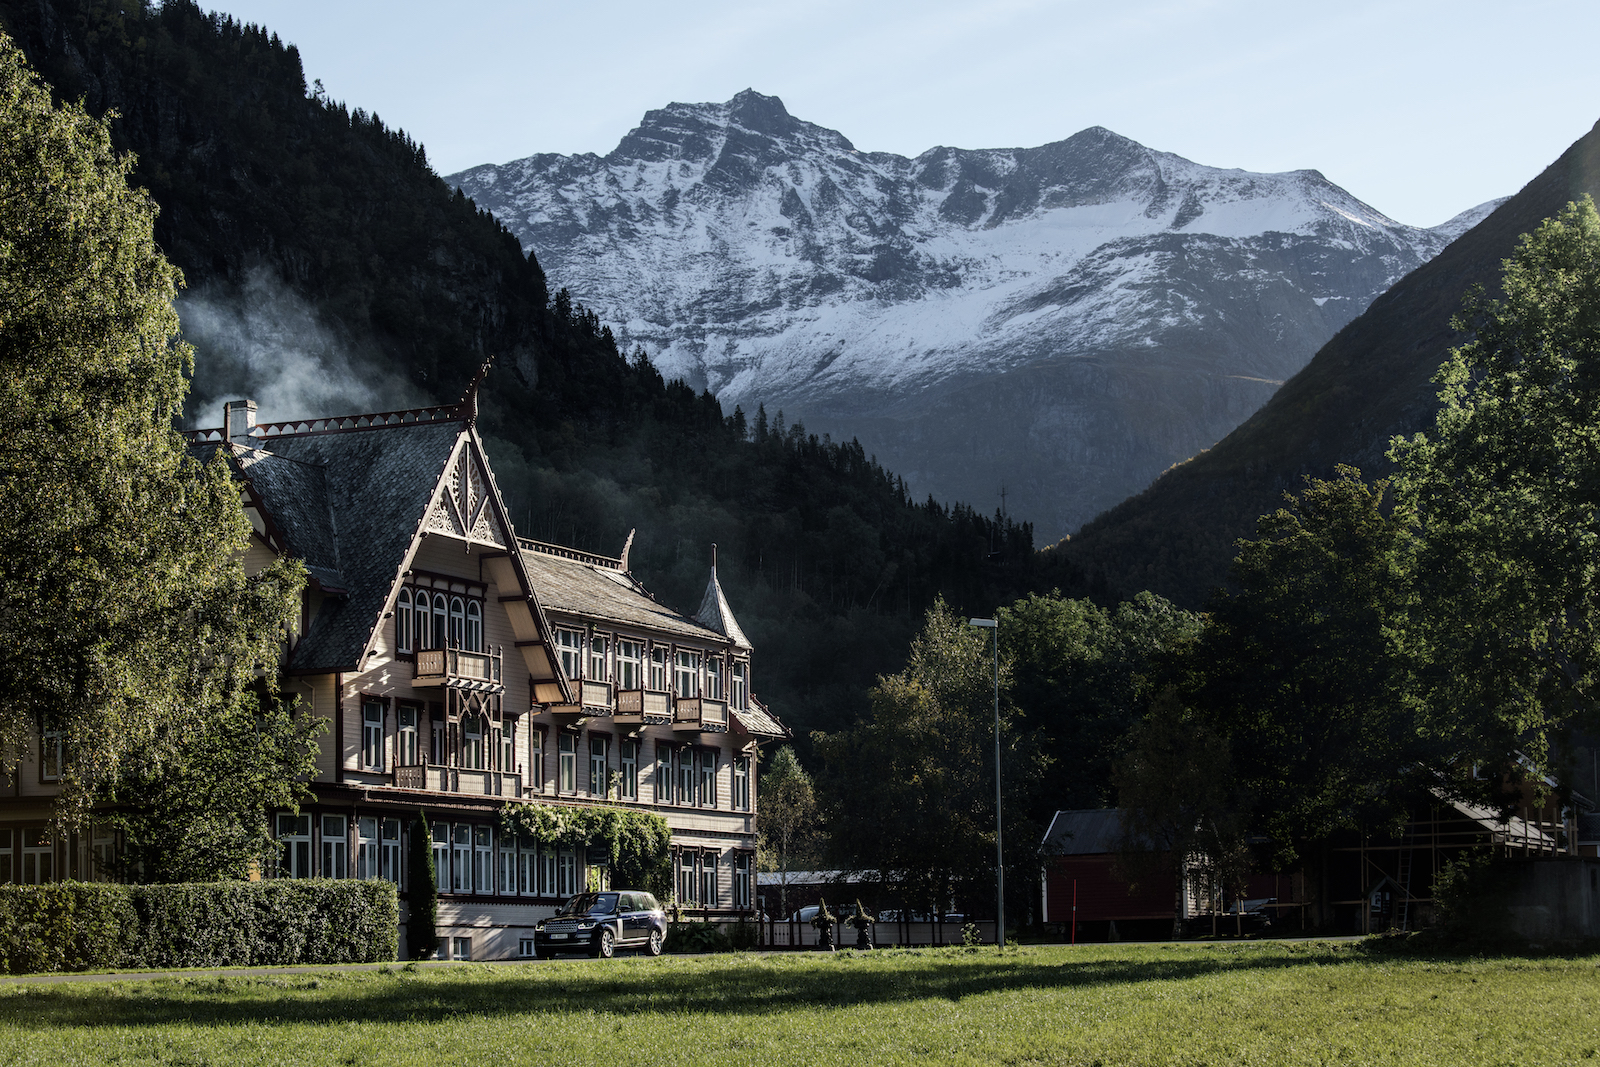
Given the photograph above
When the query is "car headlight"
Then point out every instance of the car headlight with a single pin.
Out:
(587, 924)
(538, 927)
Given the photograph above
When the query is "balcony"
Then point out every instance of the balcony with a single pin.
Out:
(636, 707)
(699, 714)
(436, 779)
(596, 697)
(458, 669)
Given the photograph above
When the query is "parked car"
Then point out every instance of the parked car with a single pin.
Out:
(597, 924)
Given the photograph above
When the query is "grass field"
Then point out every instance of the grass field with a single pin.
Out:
(1245, 1004)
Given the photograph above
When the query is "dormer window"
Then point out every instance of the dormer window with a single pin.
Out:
(597, 659)
(569, 644)
(714, 677)
(658, 670)
(738, 691)
(629, 661)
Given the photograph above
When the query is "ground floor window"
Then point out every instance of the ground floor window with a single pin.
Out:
(463, 948)
(461, 869)
(686, 881)
(102, 852)
(525, 947)
(294, 840)
(390, 867)
(366, 847)
(483, 859)
(441, 856)
(741, 880)
(708, 879)
(38, 857)
(5, 857)
(566, 873)
(335, 849)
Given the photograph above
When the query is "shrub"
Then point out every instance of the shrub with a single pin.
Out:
(1470, 896)
(75, 926)
(743, 936)
(696, 937)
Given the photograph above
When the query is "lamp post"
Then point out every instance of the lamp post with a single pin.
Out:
(999, 852)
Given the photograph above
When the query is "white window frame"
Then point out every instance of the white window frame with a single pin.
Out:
(483, 859)
(569, 647)
(461, 858)
(525, 949)
(407, 718)
(629, 658)
(710, 891)
(441, 612)
(658, 669)
(367, 851)
(8, 861)
(472, 741)
(508, 746)
(599, 765)
(686, 674)
(707, 765)
(441, 856)
(567, 749)
(102, 853)
(738, 684)
(335, 850)
(52, 755)
(741, 880)
(390, 867)
(372, 724)
(628, 763)
(38, 855)
(474, 637)
(741, 783)
(535, 759)
(714, 677)
(686, 775)
(664, 780)
(566, 873)
(402, 621)
(458, 622)
(598, 663)
(294, 838)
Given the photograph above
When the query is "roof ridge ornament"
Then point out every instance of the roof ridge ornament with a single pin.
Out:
(469, 399)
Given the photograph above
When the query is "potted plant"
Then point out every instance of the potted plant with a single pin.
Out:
(823, 922)
(862, 921)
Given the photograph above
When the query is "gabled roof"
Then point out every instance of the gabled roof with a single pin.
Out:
(375, 487)
(1085, 832)
(757, 720)
(714, 613)
(579, 583)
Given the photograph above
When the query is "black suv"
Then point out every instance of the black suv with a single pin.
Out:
(600, 923)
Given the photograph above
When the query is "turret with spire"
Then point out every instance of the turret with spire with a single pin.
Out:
(714, 613)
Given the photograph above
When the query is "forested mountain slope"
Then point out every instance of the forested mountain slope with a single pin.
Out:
(1370, 382)
(330, 269)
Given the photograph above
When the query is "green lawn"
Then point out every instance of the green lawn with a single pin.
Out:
(1269, 1004)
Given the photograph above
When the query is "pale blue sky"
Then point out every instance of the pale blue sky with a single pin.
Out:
(1422, 108)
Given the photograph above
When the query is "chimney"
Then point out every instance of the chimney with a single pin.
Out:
(239, 420)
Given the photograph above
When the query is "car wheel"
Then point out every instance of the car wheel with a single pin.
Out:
(656, 941)
(606, 944)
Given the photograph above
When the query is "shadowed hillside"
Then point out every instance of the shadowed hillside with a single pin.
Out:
(1372, 381)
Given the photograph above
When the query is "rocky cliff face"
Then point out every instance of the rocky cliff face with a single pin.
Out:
(1064, 321)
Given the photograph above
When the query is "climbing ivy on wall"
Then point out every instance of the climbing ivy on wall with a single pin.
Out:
(636, 842)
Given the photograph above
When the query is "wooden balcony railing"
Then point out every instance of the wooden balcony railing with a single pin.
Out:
(597, 697)
(457, 667)
(701, 714)
(638, 706)
(436, 779)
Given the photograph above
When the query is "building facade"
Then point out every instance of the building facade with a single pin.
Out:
(462, 668)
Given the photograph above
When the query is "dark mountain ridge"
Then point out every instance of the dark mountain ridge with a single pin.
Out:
(1370, 382)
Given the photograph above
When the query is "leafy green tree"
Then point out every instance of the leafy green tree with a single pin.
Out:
(786, 821)
(1081, 677)
(198, 808)
(1506, 488)
(124, 608)
(1305, 668)
(1177, 801)
(910, 791)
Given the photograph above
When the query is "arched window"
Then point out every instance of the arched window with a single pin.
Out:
(458, 617)
(439, 610)
(474, 627)
(472, 742)
(402, 621)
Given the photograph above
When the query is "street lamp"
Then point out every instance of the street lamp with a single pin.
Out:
(999, 852)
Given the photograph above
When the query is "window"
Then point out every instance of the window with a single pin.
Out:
(402, 621)
(741, 783)
(508, 747)
(335, 848)
(474, 642)
(738, 692)
(51, 756)
(714, 677)
(436, 754)
(569, 644)
(458, 622)
(708, 879)
(5, 857)
(461, 868)
(472, 742)
(658, 670)
(102, 852)
(294, 838)
(629, 662)
(483, 859)
(708, 779)
(463, 948)
(629, 780)
(567, 873)
(597, 660)
(366, 847)
(536, 760)
(525, 947)
(441, 856)
(687, 889)
(569, 764)
(547, 872)
(38, 857)
(597, 766)
(663, 774)
(439, 611)
(687, 675)
(507, 860)
(372, 735)
(389, 866)
(741, 880)
(406, 736)
(686, 775)
(527, 866)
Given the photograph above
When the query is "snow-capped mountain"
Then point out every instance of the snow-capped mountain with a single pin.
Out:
(1065, 321)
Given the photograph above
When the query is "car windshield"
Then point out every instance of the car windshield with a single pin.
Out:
(590, 904)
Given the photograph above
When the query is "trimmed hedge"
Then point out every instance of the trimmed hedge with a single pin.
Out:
(77, 926)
